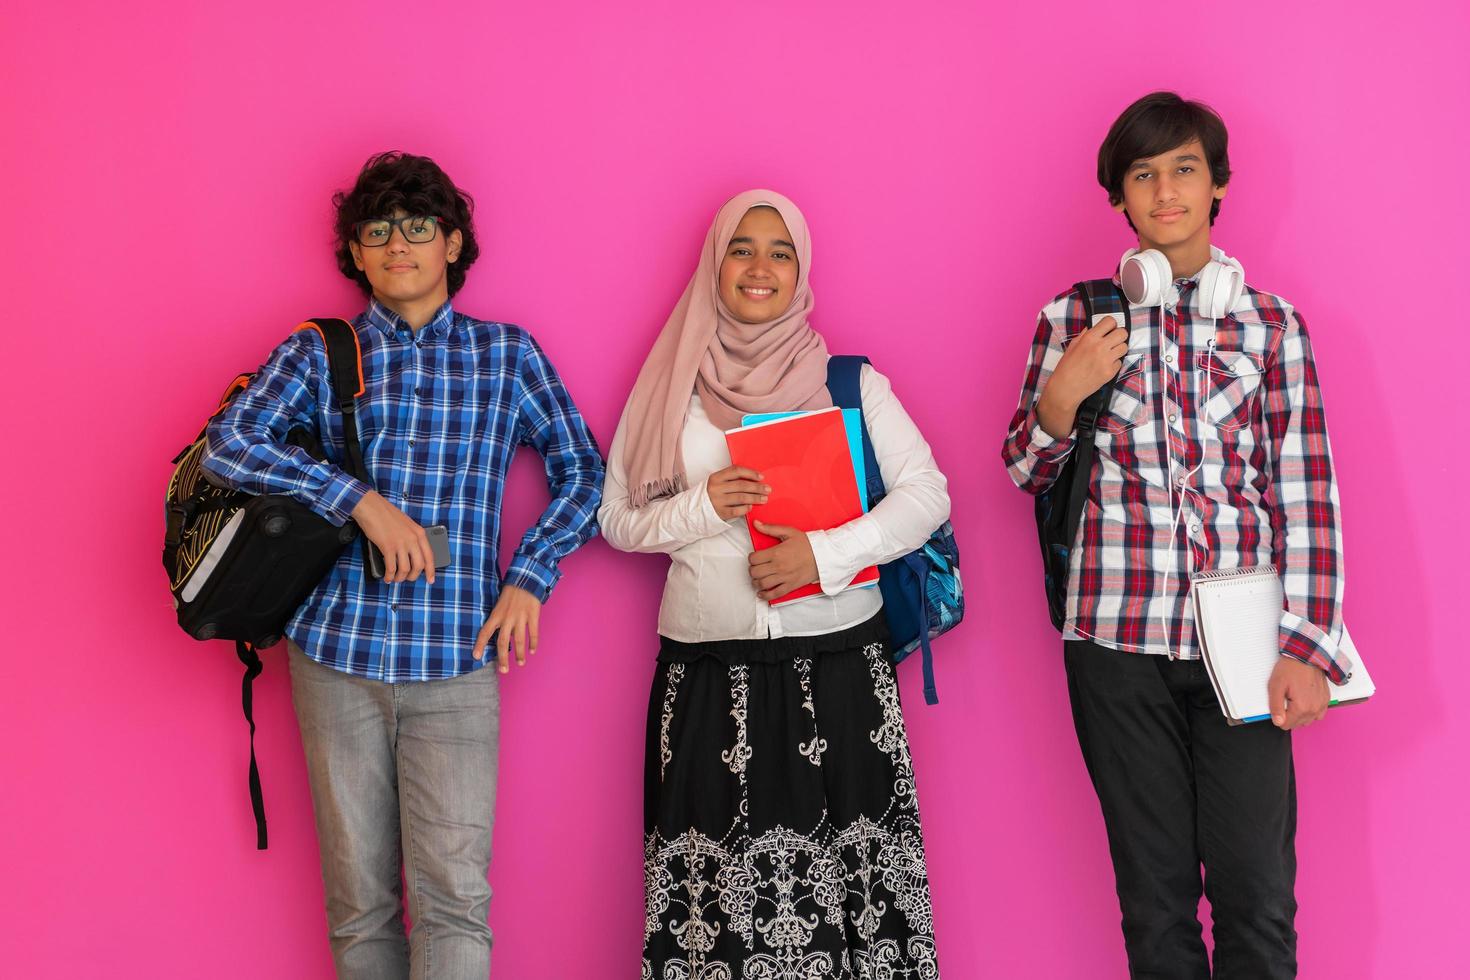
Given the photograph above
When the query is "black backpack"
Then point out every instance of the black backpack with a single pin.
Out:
(1059, 507)
(239, 564)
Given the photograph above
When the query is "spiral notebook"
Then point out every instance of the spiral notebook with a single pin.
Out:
(1237, 620)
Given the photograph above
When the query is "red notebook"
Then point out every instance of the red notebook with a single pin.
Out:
(807, 463)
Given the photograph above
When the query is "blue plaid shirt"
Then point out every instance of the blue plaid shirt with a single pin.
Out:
(442, 415)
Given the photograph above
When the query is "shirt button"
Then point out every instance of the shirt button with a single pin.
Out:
(1194, 529)
(394, 607)
(1172, 418)
(1168, 358)
(419, 391)
(410, 442)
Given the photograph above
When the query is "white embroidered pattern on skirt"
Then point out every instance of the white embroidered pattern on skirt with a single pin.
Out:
(665, 754)
(813, 749)
(775, 888)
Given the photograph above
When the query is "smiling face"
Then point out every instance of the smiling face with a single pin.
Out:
(1168, 198)
(405, 275)
(759, 272)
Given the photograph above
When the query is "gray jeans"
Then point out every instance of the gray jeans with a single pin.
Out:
(402, 774)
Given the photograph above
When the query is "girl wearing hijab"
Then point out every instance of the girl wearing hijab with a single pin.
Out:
(782, 830)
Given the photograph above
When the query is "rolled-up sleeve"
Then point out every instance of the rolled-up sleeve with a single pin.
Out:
(1306, 514)
(1034, 458)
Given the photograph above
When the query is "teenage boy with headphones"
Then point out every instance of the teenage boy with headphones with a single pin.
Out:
(399, 709)
(1212, 453)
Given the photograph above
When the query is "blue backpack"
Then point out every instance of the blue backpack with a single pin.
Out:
(922, 592)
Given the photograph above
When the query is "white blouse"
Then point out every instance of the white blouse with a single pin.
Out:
(709, 594)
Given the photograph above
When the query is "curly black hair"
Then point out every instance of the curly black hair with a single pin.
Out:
(396, 180)
(1155, 124)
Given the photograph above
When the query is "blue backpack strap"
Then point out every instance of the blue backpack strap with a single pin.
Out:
(844, 383)
(920, 568)
(931, 693)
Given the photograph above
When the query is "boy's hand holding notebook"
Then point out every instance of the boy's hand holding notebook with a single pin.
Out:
(1237, 618)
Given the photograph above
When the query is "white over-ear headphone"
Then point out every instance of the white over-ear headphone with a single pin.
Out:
(1146, 278)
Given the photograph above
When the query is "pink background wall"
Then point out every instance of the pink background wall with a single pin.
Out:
(167, 171)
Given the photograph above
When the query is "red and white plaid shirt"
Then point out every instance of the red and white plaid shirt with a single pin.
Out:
(1243, 392)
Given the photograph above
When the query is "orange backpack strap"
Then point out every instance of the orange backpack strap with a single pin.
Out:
(344, 355)
(344, 361)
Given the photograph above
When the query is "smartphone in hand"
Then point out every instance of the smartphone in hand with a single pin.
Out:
(438, 544)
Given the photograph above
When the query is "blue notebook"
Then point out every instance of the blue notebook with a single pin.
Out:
(852, 421)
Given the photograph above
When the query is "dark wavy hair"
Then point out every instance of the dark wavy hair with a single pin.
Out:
(1154, 124)
(396, 180)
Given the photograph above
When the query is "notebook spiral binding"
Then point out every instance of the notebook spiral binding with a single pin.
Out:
(1215, 574)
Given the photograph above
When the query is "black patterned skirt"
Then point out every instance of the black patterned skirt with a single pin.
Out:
(781, 830)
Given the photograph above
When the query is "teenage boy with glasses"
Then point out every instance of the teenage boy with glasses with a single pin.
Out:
(399, 721)
(1212, 453)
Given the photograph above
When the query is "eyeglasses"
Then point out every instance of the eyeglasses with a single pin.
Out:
(416, 228)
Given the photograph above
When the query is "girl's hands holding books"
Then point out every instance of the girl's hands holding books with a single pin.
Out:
(734, 490)
(783, 567)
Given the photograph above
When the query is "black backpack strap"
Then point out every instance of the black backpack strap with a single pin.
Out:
(251, 660)
(1099, 297)
(344, 361)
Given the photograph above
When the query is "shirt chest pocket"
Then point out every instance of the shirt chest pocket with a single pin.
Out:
(1229, 383)
(1128, 406)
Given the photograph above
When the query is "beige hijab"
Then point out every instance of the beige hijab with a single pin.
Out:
(736, 368)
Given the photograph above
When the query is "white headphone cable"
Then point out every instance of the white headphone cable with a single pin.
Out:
(1183, 487)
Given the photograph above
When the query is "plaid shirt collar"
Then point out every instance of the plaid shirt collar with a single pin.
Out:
(391, 323)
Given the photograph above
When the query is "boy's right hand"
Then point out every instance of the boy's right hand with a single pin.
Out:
(405, 545)
(734, 490)
(1089, 362)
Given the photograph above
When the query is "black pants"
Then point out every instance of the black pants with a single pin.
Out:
(1180, 788)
